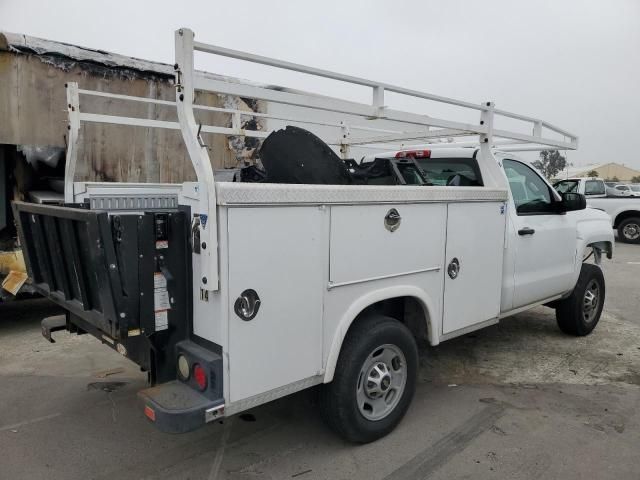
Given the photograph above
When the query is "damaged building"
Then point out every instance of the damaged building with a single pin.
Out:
(33, 130)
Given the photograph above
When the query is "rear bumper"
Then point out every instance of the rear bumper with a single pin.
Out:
(175, 407)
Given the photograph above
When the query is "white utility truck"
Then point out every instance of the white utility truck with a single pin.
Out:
(233, 294)
(624, 212)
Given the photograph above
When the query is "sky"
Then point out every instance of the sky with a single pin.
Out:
(573, 63)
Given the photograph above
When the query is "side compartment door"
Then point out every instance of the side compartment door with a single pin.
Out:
(473, 264)
(281, 254)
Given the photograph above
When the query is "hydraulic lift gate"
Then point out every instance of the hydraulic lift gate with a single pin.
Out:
(104, 270)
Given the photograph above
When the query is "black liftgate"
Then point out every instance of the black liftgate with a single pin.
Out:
(123, 277)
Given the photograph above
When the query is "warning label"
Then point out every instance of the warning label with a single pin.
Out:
(162, 320)
(159, 281)
(161, 301)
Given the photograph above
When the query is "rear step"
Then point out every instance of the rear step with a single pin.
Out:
(178, 408)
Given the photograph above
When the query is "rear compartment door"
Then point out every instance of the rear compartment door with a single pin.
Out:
(473, 264)
(280, 254)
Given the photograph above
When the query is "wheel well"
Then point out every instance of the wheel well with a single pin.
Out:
(407, 310)
(601, 247)
(624, 215)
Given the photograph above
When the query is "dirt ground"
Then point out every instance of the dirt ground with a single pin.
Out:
(516, 400)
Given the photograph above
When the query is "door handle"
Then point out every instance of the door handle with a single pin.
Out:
(247, 305)
(453, 269)
(526, 231)
(392, 220)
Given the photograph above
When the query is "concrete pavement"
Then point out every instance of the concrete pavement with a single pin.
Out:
(516, 400)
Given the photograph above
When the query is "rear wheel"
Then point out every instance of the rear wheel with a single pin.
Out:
(374, 381)
(629, 230)
(580, 312)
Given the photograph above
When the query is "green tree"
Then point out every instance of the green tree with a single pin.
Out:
(612, 179)
(592, 174)
(551, 163)
(635, 179)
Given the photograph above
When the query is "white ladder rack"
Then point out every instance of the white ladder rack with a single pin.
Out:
(415, 127)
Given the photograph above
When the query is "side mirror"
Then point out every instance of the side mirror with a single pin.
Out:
(571, 202)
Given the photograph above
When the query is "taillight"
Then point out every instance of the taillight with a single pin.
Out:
(200, 376)
(414, 154)
(183, 367)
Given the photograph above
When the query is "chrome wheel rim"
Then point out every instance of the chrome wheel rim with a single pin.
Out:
(591, 301)
(631, 231)
(381, 382)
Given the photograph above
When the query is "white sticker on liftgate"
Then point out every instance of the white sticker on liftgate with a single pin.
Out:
(159, 281)
(161, 299)
(162, 320)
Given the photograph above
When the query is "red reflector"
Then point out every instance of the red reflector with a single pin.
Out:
(414, 154)
(200, 376)
(150, 413)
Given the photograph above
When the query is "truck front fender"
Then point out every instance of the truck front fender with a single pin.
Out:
(371, 298)
(593, 233)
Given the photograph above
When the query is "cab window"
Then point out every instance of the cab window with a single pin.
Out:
(594, 187)
(531, 194)
(458, 172)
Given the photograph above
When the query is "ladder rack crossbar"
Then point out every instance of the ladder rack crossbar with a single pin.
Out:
(318, 72)
(328, 104)
(376, 109)
(229, 111)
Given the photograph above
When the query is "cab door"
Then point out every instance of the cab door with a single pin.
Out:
(542, 242)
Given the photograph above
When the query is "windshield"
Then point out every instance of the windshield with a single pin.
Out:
(567, 186)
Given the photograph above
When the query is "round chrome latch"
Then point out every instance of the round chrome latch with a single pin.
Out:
(454, 268)
(247, 305)
(392, 220)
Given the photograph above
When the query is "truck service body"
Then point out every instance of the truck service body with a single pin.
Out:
(233, 294)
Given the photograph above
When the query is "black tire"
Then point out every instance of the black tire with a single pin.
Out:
(572, 314)
(629, 230)
(339, 399)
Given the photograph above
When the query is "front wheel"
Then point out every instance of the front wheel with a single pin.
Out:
(629, 230)
(374, 382)
(579, 313)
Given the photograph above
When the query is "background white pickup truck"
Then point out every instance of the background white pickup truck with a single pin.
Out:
(624, 211)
